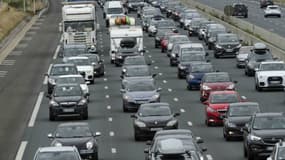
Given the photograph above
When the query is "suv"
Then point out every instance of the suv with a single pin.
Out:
(278, 151)
(261, 134)
(227, 44)
(240, 9)
(265, 3)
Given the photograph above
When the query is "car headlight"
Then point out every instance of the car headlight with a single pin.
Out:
(231, 86)
(260, 77)
(82, 102)
(171, 123)
(231, 124)
(181, 67)
(209, 109)
(204, 87)
(254, 138)
(57, 144)
(51, 81)
(89, 145)
(53, 103)
(155, 96)
(126, 97)
(218, 46)
(139, 123)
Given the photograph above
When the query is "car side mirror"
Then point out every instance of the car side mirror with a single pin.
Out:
(82, 74)
(176, 114)
(199, 140)
(145, 150)
(176, 55)
(159, 89)
(50, 136)
(97, 134)
(93, 63)
(148, 143)
(154, 75)
(122, 90)
(133, 116)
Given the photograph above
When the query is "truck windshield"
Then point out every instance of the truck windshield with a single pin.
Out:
(79, 26)
(115, 11)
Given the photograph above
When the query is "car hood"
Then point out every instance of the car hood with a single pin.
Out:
(220, 106)
(271, 73)
(68, 99)
(239, 120)
(188, 63)
(141, 94)
(153, 119)
(269, 133)
(218, 85)
(78, 142)
(84, 68)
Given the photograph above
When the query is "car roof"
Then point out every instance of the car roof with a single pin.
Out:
(226, 34)
(243, 104)
(217, 73)
(57, 149)
(154, 104)
(136, 66)
(270, 62)
(73, 124)
(133, 57)
(192, 45)
(63, 65)
(259, 46)
(70, 76)
(269, 114)
(67, 85)
(173, 132)
(88, 55)
(77, 57)
(140, 79)
(171, 146)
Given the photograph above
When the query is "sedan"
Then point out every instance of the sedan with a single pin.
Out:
(217, 81)
(153, 117)
(68, 100)
(78, 135)
(176, 39)
(237, 116)
(242, 55)
(57, 153)
(227, 44)
(139, 91)
(196, 71)
(97, 62)
(272, 10)
(217, 105)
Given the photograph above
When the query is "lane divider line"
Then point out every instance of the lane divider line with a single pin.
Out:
(46, 78)
(176, 99)
(109, 107)
(56, 52)
(209, 157)
(36, 110)
(21, 150)
(110, 119)
(189, 123)
(169, 90)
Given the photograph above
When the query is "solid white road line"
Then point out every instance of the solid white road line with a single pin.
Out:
(114, 150)
(21, 150)
(209, 157)
(46, 78)
(189, 123)
(56, 52)
(107, 96)
(36, 110)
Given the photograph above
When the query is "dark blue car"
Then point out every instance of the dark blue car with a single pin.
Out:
(196, 72)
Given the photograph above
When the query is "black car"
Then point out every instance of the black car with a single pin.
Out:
(258, 54)
(185, 61)
(194, 25)
(79, 135)
(261, 133)
(196, 72)
(240, 10)
(139, 91)
(265, 3)
(68, 100)
(97, 62)
(59, 70)
(153, 117)
(227, 44)
(211, 37)
(237, 116)
(133, 5)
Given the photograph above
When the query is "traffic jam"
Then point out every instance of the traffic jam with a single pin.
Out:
(192, 45)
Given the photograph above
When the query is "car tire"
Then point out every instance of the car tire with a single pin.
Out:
(265, 16)
(210, 47)
(156, 46)
(202, 99)
(245, 16)
(199, 37)
(250, 155)
(162, 50)
(216, 55)
(171, 63)
(112, 61)
(179, 76)
(51, 116)
(92, 81)
(279, 16)
(117, 65)
(259, 89)
(85, 115)
(207, 123)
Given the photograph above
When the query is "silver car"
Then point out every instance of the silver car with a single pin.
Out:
(59, 152)
(242, 55)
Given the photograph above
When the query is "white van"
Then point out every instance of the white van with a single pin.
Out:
(113, 9)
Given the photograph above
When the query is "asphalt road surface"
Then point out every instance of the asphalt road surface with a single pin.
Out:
(24, 121)
(255, 14)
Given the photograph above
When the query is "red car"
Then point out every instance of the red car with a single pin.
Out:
(217, 105)
(164, 41)
(215, 81)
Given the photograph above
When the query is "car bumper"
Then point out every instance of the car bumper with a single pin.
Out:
(214, 118)
(226, 52)
(173, 61)
(88, 154)
(98, 71)
(134, 105)
(182, 72)
(194, 83)
(235, 132)
(68, 111)
(240, 63)
(150, 131)
(266, 84)
(261, 150)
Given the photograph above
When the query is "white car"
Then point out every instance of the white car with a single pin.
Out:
(272, 10)
(85, 66)
(270, 74)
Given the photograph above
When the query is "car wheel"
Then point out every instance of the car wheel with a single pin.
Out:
(102, 73)
(179, 76)
(51, 116)
(279, 16)
(207, 123)
(245, 71)
(200, 38)
(171, 63)
(112, 61)
(265, 16)
(181, 25)
(245, 16)
(156, 46)
(117, 65)
(189, 87)
(202, 99)
(92, 81)
(216, 55)
(250, 155)
(209, 47)
(258, 88)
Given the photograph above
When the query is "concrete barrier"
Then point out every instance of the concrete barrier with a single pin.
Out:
(248, 32)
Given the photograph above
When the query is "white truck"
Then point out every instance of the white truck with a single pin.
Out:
(119, 32)
(79, 25)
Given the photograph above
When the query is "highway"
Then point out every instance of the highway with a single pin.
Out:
(255, 14)
(24, 121)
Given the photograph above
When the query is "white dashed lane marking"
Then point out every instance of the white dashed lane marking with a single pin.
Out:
(8, 62)
(169, 90)
(106, 87)
(209, 157)
(155, 67)
(110, 119)
(105, 79)
(164, 81)
(182, 110)
(109, 107)
(3, 74)
(16, 53)
(21, 150)
(111, 134)
(107, 96)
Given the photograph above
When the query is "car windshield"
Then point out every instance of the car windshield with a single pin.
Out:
(224, 98)
(273, 67)
(62, 91)
(192, 57)
(80, 62)
(66, 80)
(191, 49)
(281, 153)
(115, 10)
(202, 68)
(213, 78)
(69, 52)
(245, 50)
(140, 86)
(134, 61)
(154, 111)
(92, 58)
(228, 39)
(162, 32)
(57, 155)
(73, 131)
(215, 32)
(166, 24)
(273, 7)
(138, 71)
(261, 57)
(270, 122)
(63, 70)
(178, 39)
(243, 110)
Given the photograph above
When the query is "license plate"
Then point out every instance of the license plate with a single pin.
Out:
(68, 110)
(229, 50)
(270, 148)
(156, 129)
(275, 82)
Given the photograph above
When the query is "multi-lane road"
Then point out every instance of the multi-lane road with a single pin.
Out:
(255, 14)
(24, 121)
